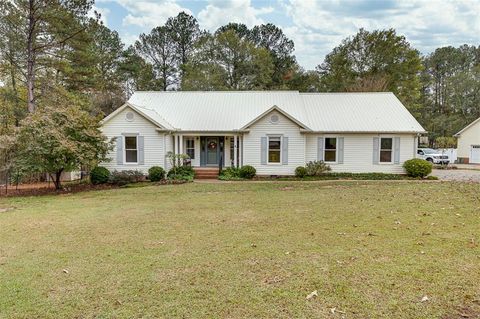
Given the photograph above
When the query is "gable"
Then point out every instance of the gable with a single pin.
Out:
(472, 128)
(272, 114)
(129, 120)
(147, 114)
(274, 122)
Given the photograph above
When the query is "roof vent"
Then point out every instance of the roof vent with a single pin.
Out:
(129, 116)
(274, 119)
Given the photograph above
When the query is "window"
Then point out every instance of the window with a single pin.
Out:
(330, 149)
(386, 150)
(274, 149)
(131, 149)
(190, 147)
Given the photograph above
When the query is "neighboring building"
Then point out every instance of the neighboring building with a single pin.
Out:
(274, 131)
(468, 145)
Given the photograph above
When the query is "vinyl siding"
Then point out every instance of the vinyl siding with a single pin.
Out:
(154, 141)
(284, 127)
(469, 137)
(358, 153)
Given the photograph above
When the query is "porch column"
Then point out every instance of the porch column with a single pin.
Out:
(235, 145)
(180, 149)
(175, 143)
(240, 143)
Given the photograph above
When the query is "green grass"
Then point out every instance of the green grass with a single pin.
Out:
(244, 250)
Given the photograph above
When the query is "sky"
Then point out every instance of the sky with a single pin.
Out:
(316, 27)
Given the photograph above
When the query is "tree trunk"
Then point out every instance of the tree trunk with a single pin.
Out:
(57, 181)
(31, 57)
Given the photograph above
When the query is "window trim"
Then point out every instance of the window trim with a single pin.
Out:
(268, 149)
(392, 150)
(190, 148)
(325, 149)
(125, 149)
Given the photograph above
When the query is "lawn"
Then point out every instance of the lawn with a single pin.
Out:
(244, 250)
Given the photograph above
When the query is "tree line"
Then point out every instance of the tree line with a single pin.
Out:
(56, 57)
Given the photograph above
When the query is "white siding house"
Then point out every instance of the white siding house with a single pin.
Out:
(274, 131)
(468, 145)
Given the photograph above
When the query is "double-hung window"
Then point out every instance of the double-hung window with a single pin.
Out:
(330, 149)
(131, 151)
(190, 147)
(274, 149)
(386, 150)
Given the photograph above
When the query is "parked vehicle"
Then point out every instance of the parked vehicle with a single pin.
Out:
(433, 156)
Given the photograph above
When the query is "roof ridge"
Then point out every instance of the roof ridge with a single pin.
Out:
(236, 91)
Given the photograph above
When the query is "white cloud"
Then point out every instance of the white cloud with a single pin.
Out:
(218, 13)
(149, 13)
(103, 13)
(319, 26)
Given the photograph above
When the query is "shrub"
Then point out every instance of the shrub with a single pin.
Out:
(248, 172)
(417, 167)
(99, 175)
(126, 177)
(300, 171)
(185, 173)
(156, 173)
(230, 173)
(317, 168)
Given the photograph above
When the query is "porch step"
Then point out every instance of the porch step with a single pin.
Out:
(206, 173)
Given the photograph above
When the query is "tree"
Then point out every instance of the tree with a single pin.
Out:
(226, 61)
(281, 48)
(184, 32)
(42, 27)
(158, 49)
(137, 74)
(450, 89)
(59, 137)
(379, 60)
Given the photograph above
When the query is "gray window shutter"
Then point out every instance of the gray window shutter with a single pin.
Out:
(141, 150)
(119, 150)
(340, 150)
(396, 145)
(285, 151)
(376, 150)
(264, 150)
(320, 148)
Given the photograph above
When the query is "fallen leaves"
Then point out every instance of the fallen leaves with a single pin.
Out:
(312, 295)
(424, 299)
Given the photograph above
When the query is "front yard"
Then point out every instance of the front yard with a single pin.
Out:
(244, 250)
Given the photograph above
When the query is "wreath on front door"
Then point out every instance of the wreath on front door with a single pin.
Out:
(212, 145)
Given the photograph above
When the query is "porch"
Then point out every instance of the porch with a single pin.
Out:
(210, 150)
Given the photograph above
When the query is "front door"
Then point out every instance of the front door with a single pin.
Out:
(212, 150)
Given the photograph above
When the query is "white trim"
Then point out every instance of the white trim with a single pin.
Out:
(136, 109)
(276, 108)
(125, 135)
(467, 127)
(380, 150)
(325, 149)
(268, 148)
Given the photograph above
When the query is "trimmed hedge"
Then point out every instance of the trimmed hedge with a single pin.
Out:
(156, 173)
(300, 171)
(126, 177)
(247, 172)
(99, 175)
(417, 167)
(181, 173)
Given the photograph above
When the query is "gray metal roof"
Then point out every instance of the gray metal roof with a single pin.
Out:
(318, 112)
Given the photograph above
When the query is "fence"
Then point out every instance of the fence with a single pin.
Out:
(450, 152)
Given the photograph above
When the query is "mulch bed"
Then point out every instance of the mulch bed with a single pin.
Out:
(45, 189)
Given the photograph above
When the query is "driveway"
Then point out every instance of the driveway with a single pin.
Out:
(462, 175)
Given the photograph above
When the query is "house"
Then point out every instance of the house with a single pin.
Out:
(274, 131)
(468, 143)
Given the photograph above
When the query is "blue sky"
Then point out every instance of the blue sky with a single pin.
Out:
(316, 27)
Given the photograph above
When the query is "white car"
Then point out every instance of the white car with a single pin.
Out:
(433, 156)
